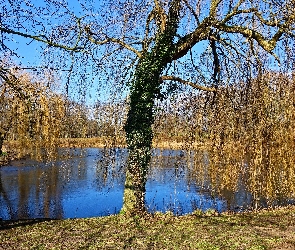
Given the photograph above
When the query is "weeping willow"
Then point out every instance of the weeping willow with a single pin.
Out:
(32, 117)
(245, 133)
(252, 136)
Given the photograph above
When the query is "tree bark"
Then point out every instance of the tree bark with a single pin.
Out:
(139, 133)
(144, 89)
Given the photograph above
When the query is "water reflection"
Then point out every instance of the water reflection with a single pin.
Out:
(90, 182)
(30, 192)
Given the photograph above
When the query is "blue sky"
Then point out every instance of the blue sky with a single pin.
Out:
(29, 55)
(29, 52)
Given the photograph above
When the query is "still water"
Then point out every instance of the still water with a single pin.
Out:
(90, 182)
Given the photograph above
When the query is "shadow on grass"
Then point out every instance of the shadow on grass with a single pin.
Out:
(9, 224)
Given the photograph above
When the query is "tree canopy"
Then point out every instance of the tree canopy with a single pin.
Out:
(114, 35)
(145, 44)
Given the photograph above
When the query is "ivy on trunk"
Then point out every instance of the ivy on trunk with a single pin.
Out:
(144, 89)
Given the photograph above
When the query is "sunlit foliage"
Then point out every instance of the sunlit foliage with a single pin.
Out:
(252, 137)
(32, 115)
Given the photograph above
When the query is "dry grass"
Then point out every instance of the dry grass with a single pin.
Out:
(268, 229)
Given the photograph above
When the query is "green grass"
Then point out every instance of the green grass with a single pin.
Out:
(268, 229)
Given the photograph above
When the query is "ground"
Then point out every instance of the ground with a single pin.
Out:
(266, 229)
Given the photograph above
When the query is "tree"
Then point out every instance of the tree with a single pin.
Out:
(12, 91)
(31, 113)
(146, 43)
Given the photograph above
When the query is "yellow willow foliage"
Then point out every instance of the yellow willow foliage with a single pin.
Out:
(252, 137)
(47, 118)
(36, 118)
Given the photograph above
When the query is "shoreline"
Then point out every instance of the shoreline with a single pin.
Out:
(12, 148)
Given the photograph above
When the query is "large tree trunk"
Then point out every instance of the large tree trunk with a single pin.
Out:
(144, 89)
(139, 134)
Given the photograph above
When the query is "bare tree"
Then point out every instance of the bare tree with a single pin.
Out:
(144, 44)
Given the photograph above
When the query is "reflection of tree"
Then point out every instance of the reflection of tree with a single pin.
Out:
(38, 193)
(6, 198)
(110, 167)
(165, 161)
(52, 195)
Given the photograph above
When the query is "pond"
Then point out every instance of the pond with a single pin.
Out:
(90, 182)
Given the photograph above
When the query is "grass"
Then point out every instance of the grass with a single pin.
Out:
(266, 229)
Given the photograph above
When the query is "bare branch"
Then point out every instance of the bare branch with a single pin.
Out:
(239, 3)
(237, 12)
(44, 39)
(116, 41)
(186, 42)
(192, 11)
(275, 22)
(267, 45)
(196, 86)
(202, 32)
(213, 7)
